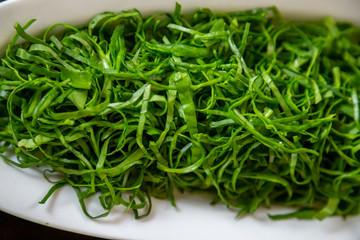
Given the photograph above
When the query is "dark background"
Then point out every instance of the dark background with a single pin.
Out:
(14, 228)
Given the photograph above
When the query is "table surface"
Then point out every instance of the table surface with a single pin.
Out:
(12, 228)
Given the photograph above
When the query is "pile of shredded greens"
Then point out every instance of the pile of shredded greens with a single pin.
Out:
(255, 109)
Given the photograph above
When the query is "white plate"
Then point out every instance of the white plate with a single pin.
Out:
(194, 218)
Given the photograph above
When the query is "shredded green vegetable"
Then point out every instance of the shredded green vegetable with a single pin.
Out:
(248, 106)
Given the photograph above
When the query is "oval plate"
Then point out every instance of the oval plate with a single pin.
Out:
(193, 218)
